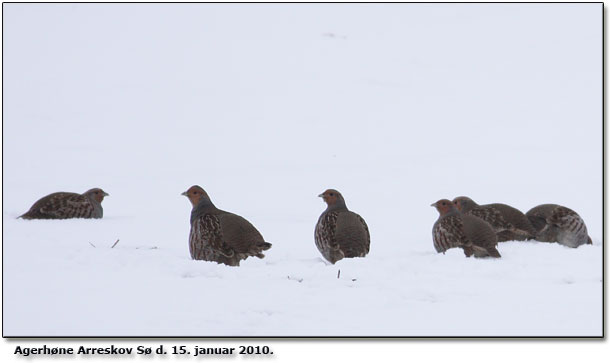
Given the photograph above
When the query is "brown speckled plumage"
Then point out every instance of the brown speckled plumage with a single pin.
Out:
(509, 223)
(455, 229)
(556, 223)
(64, 205)
(340, 233)
(221, 236)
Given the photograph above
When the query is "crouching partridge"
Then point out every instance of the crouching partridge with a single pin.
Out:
(340, 233)
(64, 205)
(555, 223)
(455, 229)
(220, 236)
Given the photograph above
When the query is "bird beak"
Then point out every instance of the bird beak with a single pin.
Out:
(321, 195)
(185, 194)
(433, 205)
(106, 194)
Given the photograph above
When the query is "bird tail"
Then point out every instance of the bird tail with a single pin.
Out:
(589, 242)
(485, 252)
(262, 246)
(493, 252)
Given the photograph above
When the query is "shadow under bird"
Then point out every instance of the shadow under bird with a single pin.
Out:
(64, 205)
(556, 223)
(220, 236)
(340, 233)
(509, 223)
(456, 229)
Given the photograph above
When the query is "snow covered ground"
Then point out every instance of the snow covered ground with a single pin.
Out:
(265, 106)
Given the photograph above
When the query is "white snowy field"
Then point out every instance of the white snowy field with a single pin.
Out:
(265, 107)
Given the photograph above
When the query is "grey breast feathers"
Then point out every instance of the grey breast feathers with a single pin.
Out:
(448, 232)
(205, 241)
(326, 237)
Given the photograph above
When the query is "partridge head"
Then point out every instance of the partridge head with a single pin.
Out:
(332, 197)
(195, 194)
(464, 204)
(444, 207)
(96, 194)
(340, 233)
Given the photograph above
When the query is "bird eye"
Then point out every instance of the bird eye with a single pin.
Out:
(332, 194)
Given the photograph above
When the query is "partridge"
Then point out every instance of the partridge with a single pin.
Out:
(455, 229)
(340, 233)
(508, 222)
(220, 236)
(555, 223)
(63, 205)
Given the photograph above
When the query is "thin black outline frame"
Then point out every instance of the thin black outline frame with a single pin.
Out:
(312, 338)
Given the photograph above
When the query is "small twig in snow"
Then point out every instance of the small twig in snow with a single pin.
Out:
(338, 273)
(92, 244)
(117, 241)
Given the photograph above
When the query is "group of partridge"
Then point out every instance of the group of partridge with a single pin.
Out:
(227, 238)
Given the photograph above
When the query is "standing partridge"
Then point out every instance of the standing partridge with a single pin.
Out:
(508, 222)
(456, 229)
(220, 236)
(555, 223)
(340, 233)
(63, 205)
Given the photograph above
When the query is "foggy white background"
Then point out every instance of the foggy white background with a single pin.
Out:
(265, 106)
